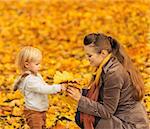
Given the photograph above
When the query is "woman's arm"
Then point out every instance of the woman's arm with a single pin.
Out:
(112, 86)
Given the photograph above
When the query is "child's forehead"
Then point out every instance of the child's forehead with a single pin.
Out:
(36, 60)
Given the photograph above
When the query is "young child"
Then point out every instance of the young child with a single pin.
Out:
(33, 87)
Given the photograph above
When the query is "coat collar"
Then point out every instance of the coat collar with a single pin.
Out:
(109, 64)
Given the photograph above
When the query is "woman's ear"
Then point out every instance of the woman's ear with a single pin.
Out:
(104, 53)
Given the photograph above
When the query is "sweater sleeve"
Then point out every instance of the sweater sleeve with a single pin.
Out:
(112, 86)
(35, 84)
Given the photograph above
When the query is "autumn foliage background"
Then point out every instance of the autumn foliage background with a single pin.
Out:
(57, 28)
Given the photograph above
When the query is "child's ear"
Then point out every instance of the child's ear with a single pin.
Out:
(26, 64)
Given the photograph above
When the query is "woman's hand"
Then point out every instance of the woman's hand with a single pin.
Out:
(74, 93)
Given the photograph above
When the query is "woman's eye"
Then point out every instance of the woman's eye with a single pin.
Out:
(88, 56)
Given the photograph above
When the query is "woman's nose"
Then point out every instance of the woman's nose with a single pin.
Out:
(90, 59)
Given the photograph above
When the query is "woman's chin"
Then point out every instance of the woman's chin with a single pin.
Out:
(92, 64)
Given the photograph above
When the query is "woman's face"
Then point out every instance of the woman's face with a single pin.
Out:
(94, 57)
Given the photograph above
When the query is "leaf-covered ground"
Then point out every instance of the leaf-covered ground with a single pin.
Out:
(57, 28)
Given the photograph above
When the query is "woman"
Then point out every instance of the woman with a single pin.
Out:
(113, 100)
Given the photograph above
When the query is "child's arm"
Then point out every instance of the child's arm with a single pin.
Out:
(36, 85)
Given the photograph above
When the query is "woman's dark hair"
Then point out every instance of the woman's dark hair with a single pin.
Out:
(102, 42)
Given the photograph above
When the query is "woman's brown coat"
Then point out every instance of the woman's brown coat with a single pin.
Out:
(116, 107)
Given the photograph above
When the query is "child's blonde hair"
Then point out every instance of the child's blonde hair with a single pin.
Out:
(27, 54)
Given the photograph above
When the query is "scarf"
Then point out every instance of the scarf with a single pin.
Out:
(93, 93)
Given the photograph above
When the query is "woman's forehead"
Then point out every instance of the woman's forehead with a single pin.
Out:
(89, 49)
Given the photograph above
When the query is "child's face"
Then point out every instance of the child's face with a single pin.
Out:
(33, 66)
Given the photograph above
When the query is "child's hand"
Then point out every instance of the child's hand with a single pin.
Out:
(63, 87)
